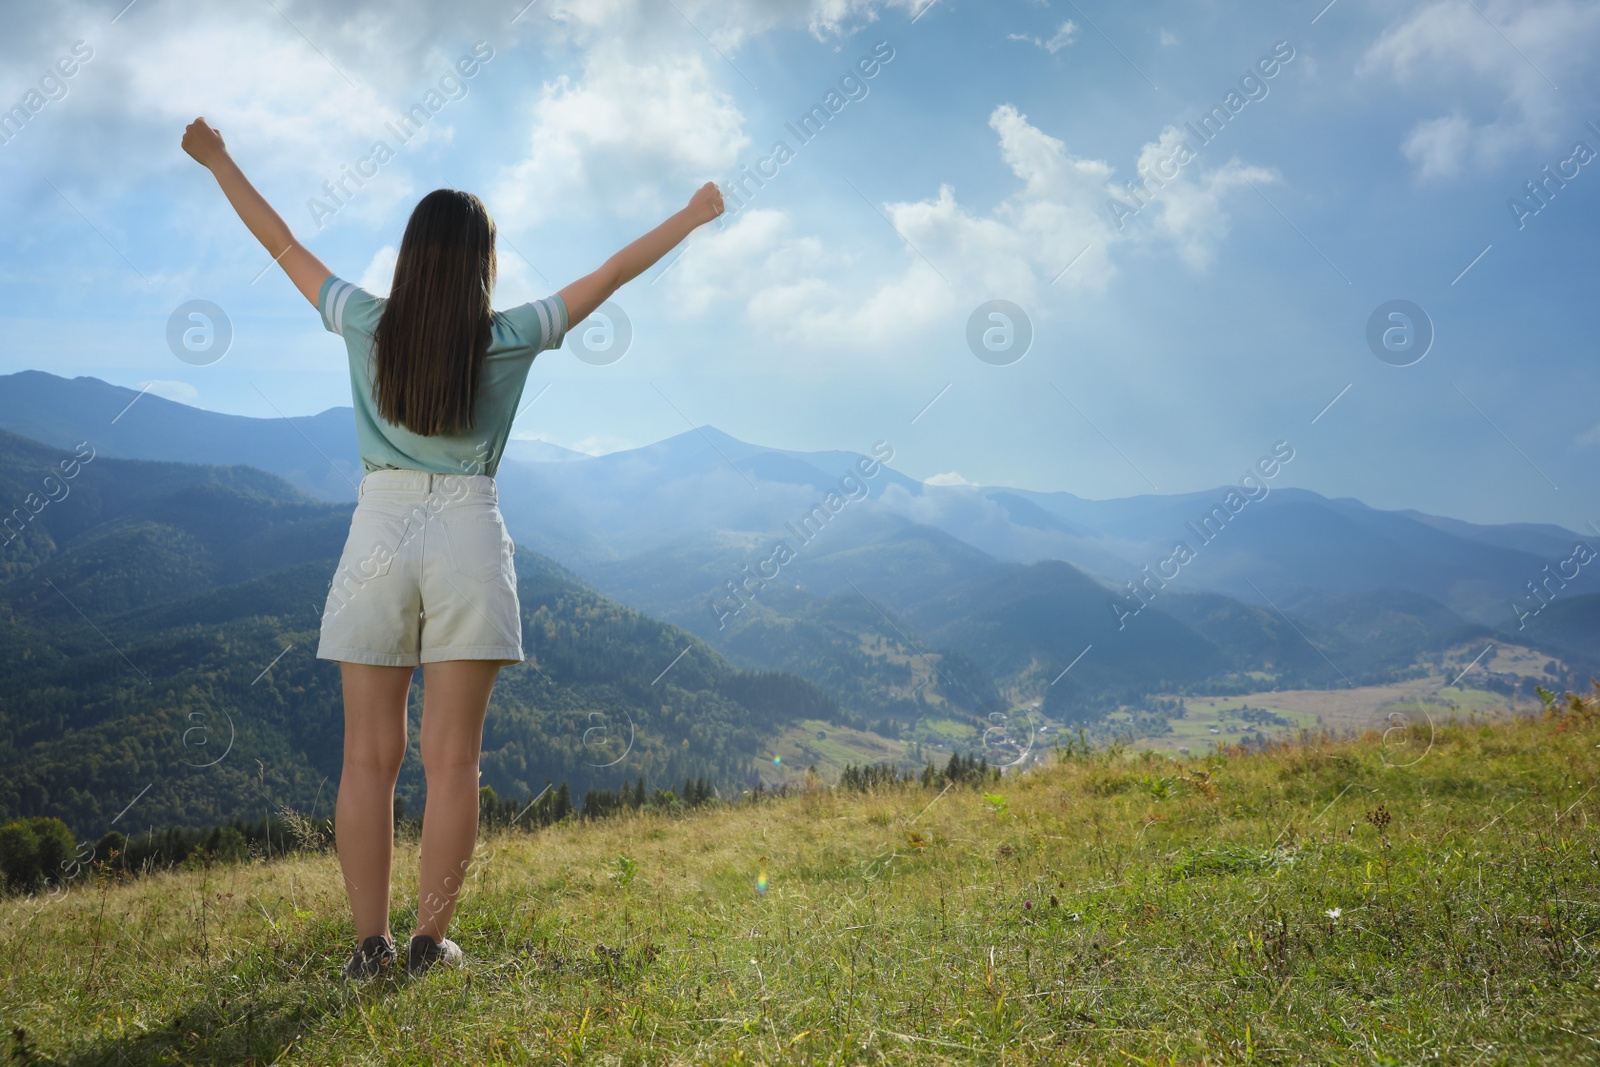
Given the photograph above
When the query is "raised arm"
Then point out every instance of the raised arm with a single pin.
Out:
(304, 269)
(592, 290)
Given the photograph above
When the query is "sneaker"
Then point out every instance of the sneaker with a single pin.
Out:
(376, 954)
(424, 952)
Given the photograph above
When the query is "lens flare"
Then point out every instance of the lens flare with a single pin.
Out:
(761, 875)
(777, 759)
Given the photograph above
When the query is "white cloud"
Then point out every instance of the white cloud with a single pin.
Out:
(1065, 35)
(245, 70)
(833, 16)
(755, 242)
(1590, 436)
(726, 23)
(642, 123)
(799, 289)
(631, 133)
(379, 274)
(599, 444)
(947, 478)
(1438, 147)
(1502, 61)
(182, 392)
(1042, 161)
(1188, 207)
(300, 89)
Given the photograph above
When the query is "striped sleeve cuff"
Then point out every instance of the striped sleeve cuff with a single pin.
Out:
(552, 316)
(335, 294)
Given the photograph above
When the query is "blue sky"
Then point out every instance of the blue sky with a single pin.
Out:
(1172, 345)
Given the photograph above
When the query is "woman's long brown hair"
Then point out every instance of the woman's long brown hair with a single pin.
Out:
(429, 343)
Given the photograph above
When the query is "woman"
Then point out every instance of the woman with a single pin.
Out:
(426, 577)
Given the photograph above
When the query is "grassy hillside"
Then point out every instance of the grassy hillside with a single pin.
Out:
(1319, 903)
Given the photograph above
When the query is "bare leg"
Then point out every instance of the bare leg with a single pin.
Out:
(455, 697)
(374, 745)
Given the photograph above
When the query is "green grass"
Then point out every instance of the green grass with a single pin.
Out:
(946, 731)
(1195, 726)
(1472, 699)
(1309, 904)
(800, 747)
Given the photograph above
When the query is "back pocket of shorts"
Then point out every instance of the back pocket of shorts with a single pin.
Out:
(375, 540)
(478, 545)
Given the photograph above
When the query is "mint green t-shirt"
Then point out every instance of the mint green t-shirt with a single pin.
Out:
(517, 336)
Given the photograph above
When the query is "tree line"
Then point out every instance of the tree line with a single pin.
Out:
(40, 852)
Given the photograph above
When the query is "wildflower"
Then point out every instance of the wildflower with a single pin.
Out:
(1333, 913)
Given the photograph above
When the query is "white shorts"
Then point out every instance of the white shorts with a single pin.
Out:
(426, 574)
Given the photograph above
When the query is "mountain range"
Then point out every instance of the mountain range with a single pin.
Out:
(697, 493)
(157, 628)
(822, 585)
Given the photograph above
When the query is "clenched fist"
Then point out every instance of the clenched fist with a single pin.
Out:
(706, 204)
(203, 143)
